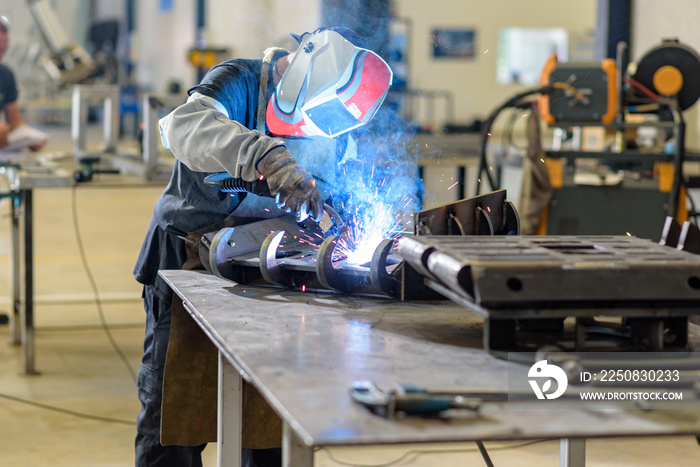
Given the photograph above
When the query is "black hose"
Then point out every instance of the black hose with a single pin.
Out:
(514, 101)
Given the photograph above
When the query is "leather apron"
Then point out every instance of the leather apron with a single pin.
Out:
(190, 379)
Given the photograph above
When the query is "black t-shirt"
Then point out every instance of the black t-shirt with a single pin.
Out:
(8, 86)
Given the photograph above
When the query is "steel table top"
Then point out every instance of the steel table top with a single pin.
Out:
(304, 350)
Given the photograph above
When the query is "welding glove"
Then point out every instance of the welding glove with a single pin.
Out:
(293, 187)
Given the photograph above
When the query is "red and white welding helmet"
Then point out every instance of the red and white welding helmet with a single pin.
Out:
(330, 87)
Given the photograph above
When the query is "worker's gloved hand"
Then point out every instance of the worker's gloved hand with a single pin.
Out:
(293, 187)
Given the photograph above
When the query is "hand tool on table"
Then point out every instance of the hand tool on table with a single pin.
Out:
(412, 400)
(228, 184)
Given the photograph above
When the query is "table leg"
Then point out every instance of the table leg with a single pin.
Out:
(294, 452)
(572, 452)
(15, 316)
(79, 115)
(28, 308)
(229, 420)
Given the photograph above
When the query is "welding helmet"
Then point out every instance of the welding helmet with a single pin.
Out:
(330, 87)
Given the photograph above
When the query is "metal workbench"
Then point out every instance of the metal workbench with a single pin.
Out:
(303, 351)
(22, 179)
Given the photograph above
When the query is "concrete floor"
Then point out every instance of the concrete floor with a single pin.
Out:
(81, 372)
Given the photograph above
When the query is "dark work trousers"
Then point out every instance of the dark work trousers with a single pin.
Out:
(149, 451)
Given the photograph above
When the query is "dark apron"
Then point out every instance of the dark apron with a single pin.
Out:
(190, 379)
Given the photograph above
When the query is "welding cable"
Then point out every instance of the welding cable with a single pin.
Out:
(645, 90)
(68, 412)
(420, 452)
(518, 100)
(95, 291)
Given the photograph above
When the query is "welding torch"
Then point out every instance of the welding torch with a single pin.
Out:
(228, 184)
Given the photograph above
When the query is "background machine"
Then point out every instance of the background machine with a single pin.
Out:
(616, 165)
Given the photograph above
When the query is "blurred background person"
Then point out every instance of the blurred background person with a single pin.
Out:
(8, 99)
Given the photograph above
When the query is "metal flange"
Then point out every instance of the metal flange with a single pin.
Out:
(270, 268)
(511, 220)
(381, 280)
(217, 258)
(484, 225)
(326, 273)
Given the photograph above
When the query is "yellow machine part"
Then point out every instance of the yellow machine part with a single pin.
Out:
(607, 65)
(668, 80)
(671, 69)
(204, 58)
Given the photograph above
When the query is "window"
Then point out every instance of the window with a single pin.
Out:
(522, 53)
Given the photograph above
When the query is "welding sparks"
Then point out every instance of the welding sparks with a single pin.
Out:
(451, 186)
(369, 230)
(375, 194)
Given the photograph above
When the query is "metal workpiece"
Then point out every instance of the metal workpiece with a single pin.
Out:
(270, 268)
(488, 214)
(530, 284)
(282, 252)
(689, 238)
(220, 251)
(670, 233)
(684, 237)
(327, 274)
(536, 271)
(380, 277)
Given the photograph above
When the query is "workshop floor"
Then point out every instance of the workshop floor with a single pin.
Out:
(49, 419)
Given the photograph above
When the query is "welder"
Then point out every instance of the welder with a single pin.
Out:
(240, 119)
